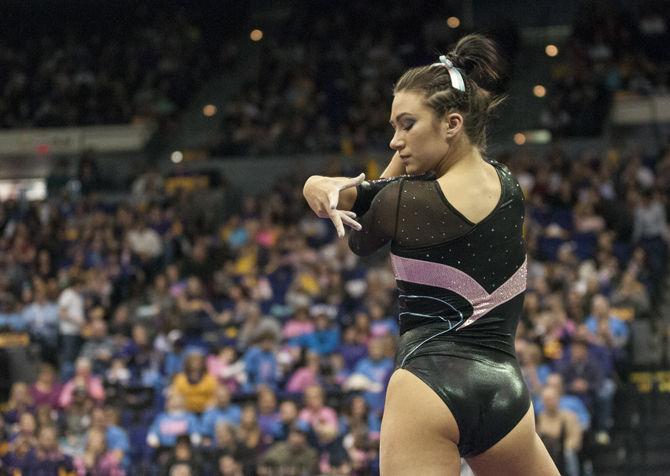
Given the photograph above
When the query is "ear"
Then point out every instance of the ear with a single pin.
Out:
(452, 124)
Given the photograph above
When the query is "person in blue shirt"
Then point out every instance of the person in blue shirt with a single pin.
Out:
(223, 410)
(260, 363)
(326, 336)
(377, 369)
(606, 329)
(117, 437)
(171, 423)
(566, 401)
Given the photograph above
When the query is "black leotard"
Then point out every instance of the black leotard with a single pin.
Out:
(461, 288)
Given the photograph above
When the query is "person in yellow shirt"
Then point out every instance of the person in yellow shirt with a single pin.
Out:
(195, 384)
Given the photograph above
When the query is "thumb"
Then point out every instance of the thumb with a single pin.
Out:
(352, 182)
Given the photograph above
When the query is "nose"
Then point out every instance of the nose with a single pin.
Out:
(396, 143)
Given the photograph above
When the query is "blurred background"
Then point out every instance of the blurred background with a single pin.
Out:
(170, 306)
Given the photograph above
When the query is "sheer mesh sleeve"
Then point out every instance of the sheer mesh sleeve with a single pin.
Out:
(366, 192)
(379, 222)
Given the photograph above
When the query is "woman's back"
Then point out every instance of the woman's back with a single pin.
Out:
(450, 271)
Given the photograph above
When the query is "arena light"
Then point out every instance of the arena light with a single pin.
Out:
(539, 91)
(209, 110)
(519, 138)
(256, 35)
(177, 156)
(537, 136)
(453, 22)
(551, 50)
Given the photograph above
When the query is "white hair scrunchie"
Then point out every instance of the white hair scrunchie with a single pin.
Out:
(457, 80)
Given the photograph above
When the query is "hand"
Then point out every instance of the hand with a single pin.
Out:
(322, 195)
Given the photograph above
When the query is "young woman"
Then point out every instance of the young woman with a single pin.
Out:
(459, 259)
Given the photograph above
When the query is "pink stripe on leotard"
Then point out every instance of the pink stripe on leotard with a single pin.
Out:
(453, 279)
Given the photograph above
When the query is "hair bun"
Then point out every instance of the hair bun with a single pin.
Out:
(478, 57)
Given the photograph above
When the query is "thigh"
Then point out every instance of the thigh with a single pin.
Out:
(419, 434)
(519, 453)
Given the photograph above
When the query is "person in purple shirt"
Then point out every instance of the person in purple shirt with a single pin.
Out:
(268, 416)
(46, 390)
(46, 458)
(352, 347)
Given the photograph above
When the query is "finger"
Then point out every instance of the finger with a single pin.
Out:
(352, 182)
(351, 222)
(337, 221)
(348, 213)
(333, 198)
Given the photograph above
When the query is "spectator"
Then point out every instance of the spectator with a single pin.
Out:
(254, 325)
(47, 458)
(585, 379)
(171, 423)
(105, 419)
(606, 329)
(260, 362)
(96, 458)
(376, 369)
(250, 440)
(292, 456)
(267, 412)
(228, 466)
(72, 320)
(306, 376)
(226, 368)
(288, 415)
(326, 336)
(19, 402)
(565, 402)
(195, 384)
(561, 433)
(98, 347)
(46, 390)
(41, 316)
(299, 324)
(183, 455)
(222, 411)
(82, 380)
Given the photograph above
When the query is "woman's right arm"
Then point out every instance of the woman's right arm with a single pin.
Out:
(332, 197)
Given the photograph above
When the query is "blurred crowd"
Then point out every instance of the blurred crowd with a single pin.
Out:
(135, 64)
(615, 48)
(262, 345)
(331, 76)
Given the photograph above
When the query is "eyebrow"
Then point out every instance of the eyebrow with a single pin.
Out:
(397, 118)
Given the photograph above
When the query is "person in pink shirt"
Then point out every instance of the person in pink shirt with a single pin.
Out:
(298, 325)
(321, 418)
(46, 390)
(83, 378)
(306, 376)
(226, 368)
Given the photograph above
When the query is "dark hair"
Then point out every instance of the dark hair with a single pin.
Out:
(478, 60)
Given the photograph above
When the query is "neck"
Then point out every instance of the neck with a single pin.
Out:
(461, 155)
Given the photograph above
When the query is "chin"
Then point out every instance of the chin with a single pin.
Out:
(412, 169)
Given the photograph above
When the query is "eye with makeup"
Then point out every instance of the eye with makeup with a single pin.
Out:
(408, 125)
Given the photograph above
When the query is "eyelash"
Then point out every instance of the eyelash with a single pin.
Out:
(408, 127)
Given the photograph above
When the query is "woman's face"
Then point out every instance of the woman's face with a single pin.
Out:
(419, 138)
